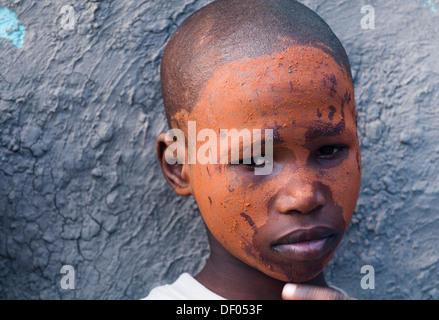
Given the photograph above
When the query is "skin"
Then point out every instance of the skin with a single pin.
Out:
(308, 100)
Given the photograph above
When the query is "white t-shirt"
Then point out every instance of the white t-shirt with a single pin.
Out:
(185, 287)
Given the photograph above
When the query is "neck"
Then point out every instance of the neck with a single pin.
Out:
(232, 279)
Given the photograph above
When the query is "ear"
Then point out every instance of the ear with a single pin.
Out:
(175, 174)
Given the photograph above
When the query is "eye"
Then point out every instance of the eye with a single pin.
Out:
(250, 163)
(328, 152)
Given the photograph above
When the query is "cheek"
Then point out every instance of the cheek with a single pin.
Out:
(210, 189)
(232, 207)
(344, 182)
(221, 201)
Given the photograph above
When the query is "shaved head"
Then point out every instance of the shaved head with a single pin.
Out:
(227, 30)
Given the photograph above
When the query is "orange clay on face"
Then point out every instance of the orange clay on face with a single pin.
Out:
(300, 93)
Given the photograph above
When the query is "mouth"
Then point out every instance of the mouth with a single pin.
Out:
(306, 244)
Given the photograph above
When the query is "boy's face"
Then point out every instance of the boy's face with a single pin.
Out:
(288, 223)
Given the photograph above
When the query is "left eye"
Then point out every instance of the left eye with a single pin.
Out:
(329, 151)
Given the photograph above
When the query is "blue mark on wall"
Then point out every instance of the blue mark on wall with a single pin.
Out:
(11, 28)
(430, 3)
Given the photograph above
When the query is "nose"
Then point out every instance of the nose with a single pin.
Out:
(300, 196)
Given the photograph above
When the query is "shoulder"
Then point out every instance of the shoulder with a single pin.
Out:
(185, 287)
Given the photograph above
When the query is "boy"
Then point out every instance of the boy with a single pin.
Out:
(262, 65)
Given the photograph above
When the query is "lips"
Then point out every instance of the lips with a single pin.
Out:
(307, 244)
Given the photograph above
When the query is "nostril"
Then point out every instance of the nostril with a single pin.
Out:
(285, 204)
(288, 204)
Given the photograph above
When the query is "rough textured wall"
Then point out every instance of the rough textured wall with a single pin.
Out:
(80, 110)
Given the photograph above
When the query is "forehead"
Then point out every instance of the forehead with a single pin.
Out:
(301, 86)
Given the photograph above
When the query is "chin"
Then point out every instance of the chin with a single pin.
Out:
(297, 271)
(298, 275)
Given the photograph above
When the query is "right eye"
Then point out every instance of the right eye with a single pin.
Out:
(251, 163)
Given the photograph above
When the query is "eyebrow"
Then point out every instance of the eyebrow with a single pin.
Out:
(325, 129)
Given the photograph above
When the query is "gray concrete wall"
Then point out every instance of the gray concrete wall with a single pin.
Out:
(80, 110)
